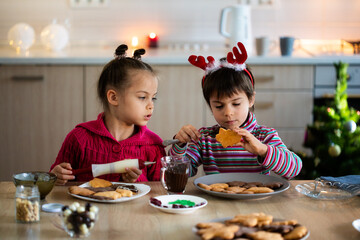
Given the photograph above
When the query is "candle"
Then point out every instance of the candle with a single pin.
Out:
(153, 40)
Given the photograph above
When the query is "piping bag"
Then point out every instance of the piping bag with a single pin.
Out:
(114, 167)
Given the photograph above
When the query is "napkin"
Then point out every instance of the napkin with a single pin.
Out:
(349, 183)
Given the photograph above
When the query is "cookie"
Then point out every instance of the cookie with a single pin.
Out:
(80, 191)
(221, 231)
(113, 195)
(227, 137)
(236, 184)
(263, 235)
(219, 185)
(251, 220)
(124, 192)
(204, 186)
(235, 189)
(98, 182)
(298, 232)
(260, 190)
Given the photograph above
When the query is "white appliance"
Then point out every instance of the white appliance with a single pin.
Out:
(235, 24)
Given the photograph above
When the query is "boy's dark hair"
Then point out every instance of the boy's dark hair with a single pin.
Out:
(227, 81)
(115, 74)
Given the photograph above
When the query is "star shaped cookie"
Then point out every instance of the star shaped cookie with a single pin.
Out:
(227, 137)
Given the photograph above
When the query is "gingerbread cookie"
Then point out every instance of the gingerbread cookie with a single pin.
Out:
(298, 232)
(113, 195)
(227, 137)
(204, 186)
(260, 190)
(98, 182)
(124, 192)
(221, 231)
(80, 191)
(262, 235)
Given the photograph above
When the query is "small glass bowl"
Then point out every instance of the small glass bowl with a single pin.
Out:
(77, 220)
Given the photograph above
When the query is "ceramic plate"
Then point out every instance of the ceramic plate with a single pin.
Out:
(356, 224)
(142, 190)
(324, 192)
(222, 220)
(167, 207)
(245, 177)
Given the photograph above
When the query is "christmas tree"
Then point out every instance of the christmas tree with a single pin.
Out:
(334, 137)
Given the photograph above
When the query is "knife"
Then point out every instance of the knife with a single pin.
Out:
(115, 167)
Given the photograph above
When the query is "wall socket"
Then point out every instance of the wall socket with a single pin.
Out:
(260, 3)
(88, 3)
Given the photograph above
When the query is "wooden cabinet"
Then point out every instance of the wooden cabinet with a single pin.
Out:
(39, 105)
(284, 101)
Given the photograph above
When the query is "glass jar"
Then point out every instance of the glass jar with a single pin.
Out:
(27, 204)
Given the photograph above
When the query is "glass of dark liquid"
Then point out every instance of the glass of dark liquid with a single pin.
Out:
(175, 173)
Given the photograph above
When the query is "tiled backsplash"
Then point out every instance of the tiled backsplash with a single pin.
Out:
(183, 21)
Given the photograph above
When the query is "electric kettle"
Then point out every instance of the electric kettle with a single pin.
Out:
(235, 24)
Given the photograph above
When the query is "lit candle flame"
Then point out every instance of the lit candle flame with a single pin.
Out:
(134, 41)
(152, 35)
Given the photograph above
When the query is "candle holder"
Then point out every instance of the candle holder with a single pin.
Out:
(153, 40)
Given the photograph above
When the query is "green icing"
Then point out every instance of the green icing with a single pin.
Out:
(183, 202)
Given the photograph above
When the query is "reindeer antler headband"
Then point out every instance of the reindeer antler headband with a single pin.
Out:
(237, 63)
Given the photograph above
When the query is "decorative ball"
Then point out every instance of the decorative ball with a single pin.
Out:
(54, 37)
(334, 150)
(350, 126)
(21, 36)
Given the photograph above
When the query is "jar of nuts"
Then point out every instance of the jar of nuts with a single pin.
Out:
(27, 204)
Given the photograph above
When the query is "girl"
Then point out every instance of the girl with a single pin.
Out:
(127, 88)
(228, 88)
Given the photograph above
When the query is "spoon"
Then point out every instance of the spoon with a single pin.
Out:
(166, 143)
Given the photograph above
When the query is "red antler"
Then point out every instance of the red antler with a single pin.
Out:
(240, 58)
(200, 61)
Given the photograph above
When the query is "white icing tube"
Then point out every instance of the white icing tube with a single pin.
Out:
(115, 167)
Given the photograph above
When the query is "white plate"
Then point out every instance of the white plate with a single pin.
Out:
(222, 220)
(166, 199)
(326, 192)
(245, 177)
(356, 224)
(142, 190)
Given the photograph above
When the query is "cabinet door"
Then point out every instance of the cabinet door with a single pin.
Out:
(39, 105)
(92, 104)
(180, 100)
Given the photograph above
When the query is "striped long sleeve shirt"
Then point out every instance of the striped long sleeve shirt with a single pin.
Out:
(217, 159)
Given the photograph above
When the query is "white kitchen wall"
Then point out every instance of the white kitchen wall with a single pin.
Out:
(183, 21)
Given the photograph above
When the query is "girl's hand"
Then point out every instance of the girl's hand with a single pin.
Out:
(63, 172)
(251, 143)
(131, 175)
(188, 133)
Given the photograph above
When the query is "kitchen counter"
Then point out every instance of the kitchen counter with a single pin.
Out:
(100, 55)
(138, 220)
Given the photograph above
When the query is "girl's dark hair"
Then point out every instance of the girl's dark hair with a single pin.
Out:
(115, 74)
(227, 81)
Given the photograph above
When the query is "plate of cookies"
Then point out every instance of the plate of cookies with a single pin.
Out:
(241, 185)
(100, 190)
(251, 226)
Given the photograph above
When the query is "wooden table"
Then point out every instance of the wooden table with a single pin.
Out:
(138, 220)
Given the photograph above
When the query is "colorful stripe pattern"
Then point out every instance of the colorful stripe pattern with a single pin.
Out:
(217, 159)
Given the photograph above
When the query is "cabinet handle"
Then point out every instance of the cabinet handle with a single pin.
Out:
(27, 78)
(263, 105)
(264, 79)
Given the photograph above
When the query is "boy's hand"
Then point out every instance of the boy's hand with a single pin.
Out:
(63, 172)
(131, 175)
(188, 133)
(250, 143)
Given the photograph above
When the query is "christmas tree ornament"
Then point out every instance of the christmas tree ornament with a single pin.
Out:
(337, 132)
(316, 161)
(334, 150)
(350, 126)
